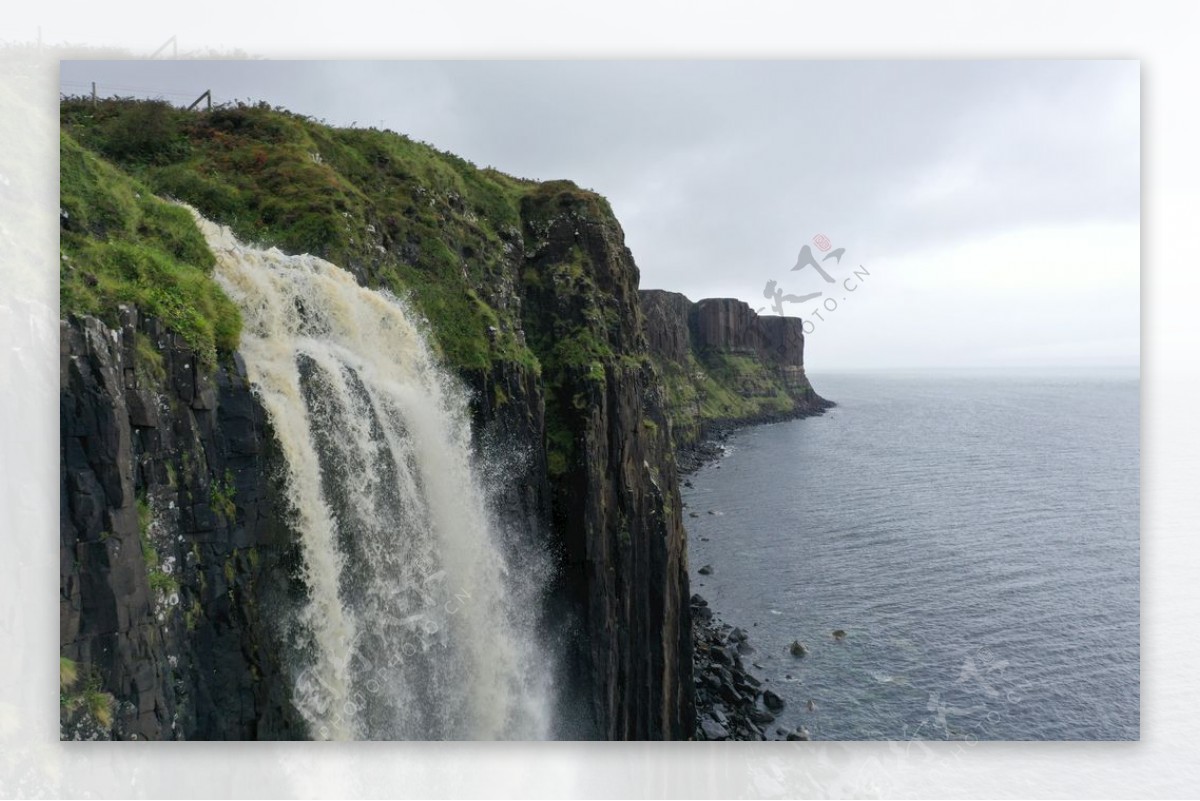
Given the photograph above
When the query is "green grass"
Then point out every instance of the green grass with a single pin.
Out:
(191, 617)
(89, 698)
(120, 244)
(221, 496)
(159, 580)
(721, 387)
(99, 704)
(427, 225)
(68, 674)
(150, 366)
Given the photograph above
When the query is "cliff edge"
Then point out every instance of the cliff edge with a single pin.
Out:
(723, 365)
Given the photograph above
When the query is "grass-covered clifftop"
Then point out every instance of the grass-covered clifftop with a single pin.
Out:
(397, 213)
(121, 244)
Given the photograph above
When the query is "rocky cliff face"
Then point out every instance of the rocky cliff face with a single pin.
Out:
(723, 364)
(616, 498)
(172, 553)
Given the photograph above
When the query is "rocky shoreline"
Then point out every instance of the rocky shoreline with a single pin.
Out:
(711, 445)
(731, 702)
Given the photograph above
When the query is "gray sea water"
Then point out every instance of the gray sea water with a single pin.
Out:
(976, 537)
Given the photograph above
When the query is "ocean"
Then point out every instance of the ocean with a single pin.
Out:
(976, 537)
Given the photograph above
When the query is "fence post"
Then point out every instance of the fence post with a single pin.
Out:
(206, 96)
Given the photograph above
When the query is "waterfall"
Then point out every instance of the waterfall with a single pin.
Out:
(419, 615)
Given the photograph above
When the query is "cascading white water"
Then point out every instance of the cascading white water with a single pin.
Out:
(414, 626)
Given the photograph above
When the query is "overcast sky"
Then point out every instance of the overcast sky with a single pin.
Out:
(989, 209)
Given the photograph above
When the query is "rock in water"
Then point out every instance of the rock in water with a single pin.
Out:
(839, 634)
(761, 716)
(798, 648)
(706, 570)
(772, 700)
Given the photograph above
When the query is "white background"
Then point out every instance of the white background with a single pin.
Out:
(1163, 36)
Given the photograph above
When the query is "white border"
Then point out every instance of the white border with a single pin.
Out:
(1163, 36)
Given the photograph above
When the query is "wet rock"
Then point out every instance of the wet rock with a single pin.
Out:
(186, 662)
(714, 731)
(761, 716)
(706, 570)
(839, 634)
(773, 701)
(798, 649)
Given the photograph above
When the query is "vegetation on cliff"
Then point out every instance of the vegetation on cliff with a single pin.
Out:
(721, 364)
(399, 214)
(121, 244)
(717, 387)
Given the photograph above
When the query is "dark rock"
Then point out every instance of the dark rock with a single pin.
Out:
(729, 693)
(798, 648)
(183, 663)
(772, 700)
(714, 731)
(761, 716)
(706, 570)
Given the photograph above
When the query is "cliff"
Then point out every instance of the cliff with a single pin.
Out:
(173, 547)
(172, 553)
(724, 365)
